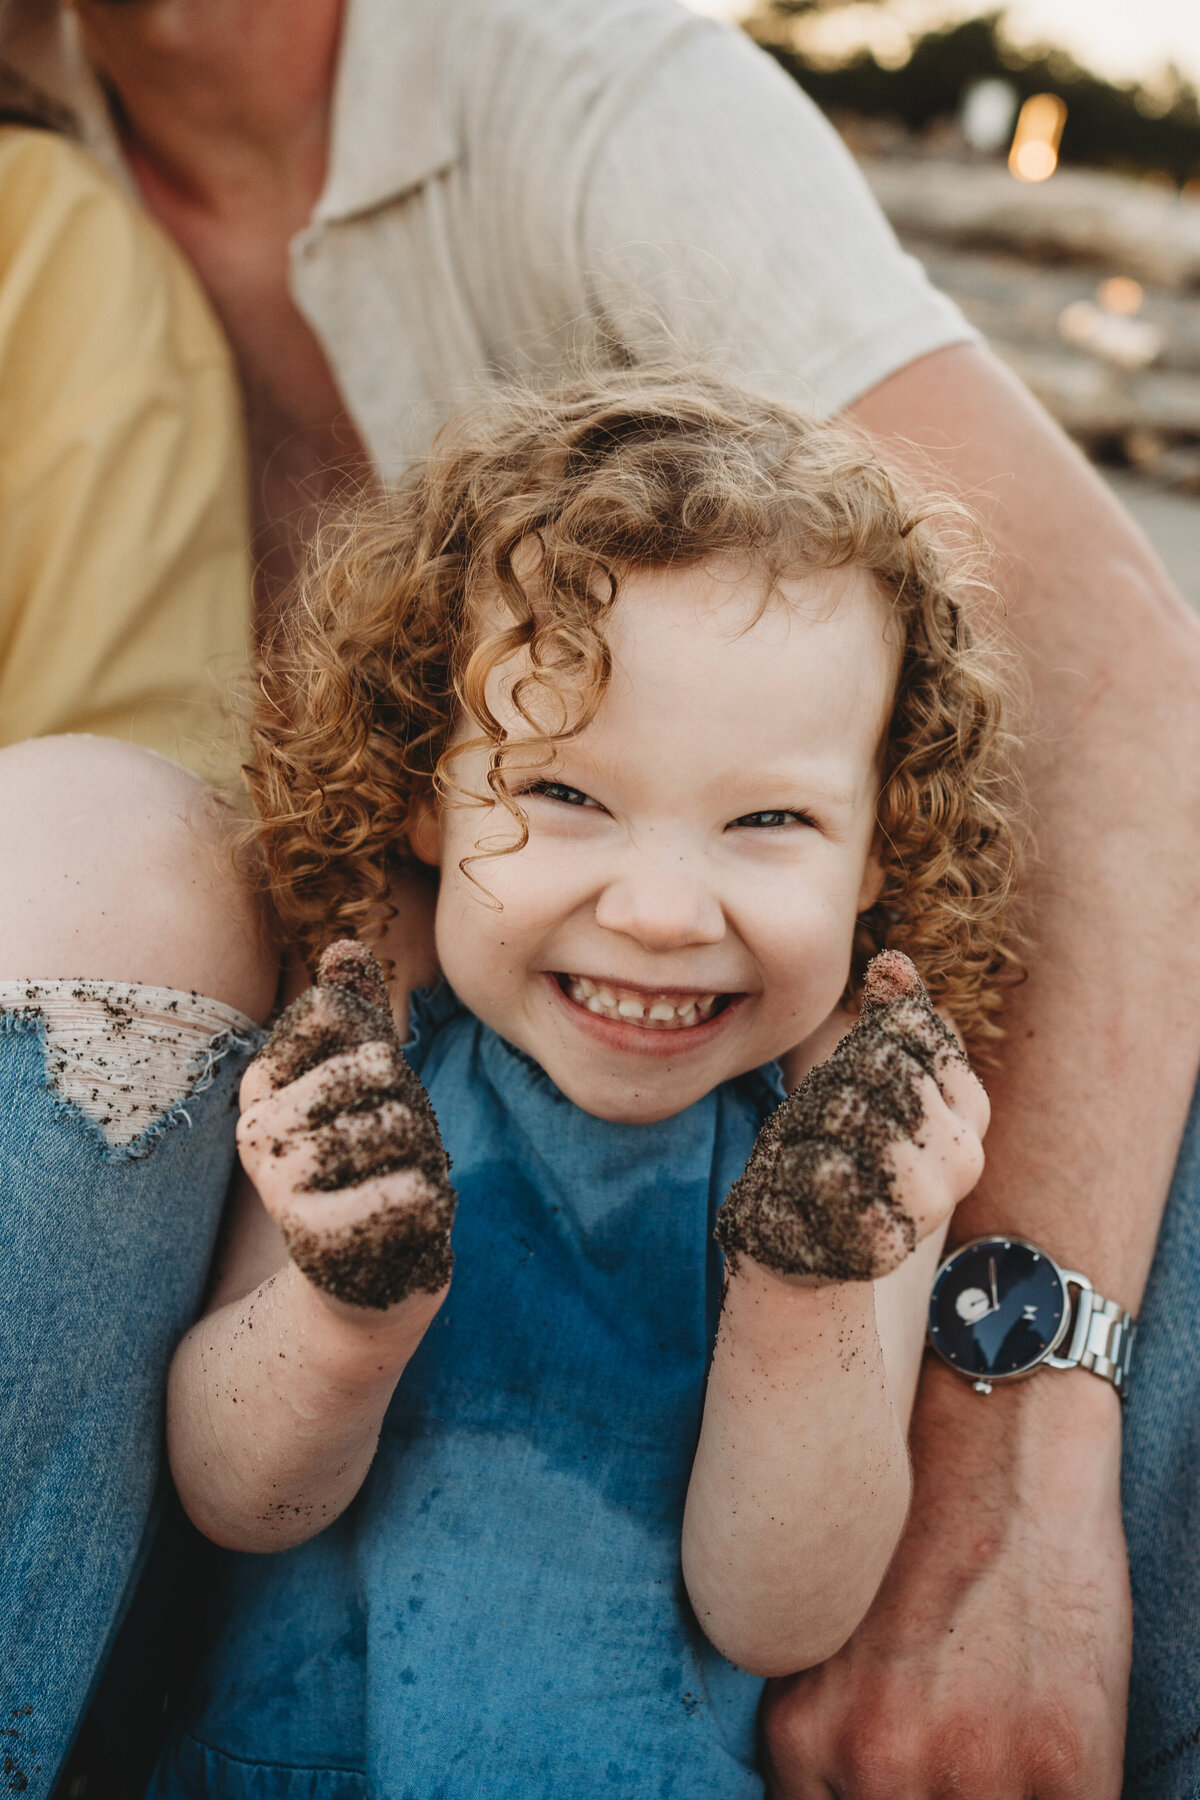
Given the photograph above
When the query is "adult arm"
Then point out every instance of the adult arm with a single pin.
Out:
(995, 1658)
(1004, 1623)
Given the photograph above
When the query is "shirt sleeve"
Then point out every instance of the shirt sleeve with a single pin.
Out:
(124, 565)
(721, 217)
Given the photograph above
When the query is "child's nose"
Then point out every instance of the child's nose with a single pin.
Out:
(662, 907)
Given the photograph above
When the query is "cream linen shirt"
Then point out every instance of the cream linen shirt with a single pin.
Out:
(515, 184)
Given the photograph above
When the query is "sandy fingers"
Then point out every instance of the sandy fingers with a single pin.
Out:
(817, 1195)
(365, 1128)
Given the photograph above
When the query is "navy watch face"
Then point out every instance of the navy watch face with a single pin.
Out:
(998, 1307)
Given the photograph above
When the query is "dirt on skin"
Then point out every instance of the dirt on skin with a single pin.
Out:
(403, 1247)
(816, 1195)
(347, 1007)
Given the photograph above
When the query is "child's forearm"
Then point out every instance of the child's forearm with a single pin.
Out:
(274, 1408)
(800, 1484)
(275, 1400)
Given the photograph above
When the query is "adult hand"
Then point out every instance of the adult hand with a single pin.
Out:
(994, 1662)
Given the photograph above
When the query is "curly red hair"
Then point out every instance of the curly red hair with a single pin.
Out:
(408, 605)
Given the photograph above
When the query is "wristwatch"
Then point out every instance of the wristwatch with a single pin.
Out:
(1001, 1308)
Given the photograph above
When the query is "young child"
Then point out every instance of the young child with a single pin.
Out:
(676, 692)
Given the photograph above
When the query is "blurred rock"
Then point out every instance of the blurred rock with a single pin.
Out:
(1127, 386)
(1098, 402)
(1046, 272)
(1023, 302)
(1129, 344)
(1124, 227)
(1170, 521)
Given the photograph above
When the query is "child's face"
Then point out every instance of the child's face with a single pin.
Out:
(685, 906)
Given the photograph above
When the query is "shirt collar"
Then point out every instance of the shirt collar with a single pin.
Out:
(391, 128)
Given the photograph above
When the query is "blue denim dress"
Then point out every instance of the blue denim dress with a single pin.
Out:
(500, 1612)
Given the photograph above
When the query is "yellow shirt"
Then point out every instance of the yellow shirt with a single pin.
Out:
(124, 564)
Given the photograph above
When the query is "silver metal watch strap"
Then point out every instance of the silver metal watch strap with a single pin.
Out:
(1102, 1335)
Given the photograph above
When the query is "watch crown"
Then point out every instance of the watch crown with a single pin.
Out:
(983, 1387)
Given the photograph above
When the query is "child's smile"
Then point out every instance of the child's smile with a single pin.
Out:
(639, 1021)
(684, 908)
(647, 1009)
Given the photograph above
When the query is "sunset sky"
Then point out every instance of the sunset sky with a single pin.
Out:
(1118, 38)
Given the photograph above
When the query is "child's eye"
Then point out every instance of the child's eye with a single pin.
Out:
(558, 790)
(772, 820)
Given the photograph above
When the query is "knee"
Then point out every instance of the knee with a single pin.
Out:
(121, 866)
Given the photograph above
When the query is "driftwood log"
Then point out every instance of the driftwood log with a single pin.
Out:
(1124, 227)
(1016, 256)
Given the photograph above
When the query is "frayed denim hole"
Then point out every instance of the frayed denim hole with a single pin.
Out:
(29, 1022)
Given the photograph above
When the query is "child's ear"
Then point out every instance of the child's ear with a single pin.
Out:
(425, 832)
(873, 876)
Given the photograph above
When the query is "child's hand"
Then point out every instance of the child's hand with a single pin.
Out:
(338, 1136)
(871, 1152)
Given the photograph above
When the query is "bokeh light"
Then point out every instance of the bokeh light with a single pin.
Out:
(1121, 294)
(1034, 152)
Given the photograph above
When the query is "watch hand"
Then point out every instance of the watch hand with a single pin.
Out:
(992, 1279)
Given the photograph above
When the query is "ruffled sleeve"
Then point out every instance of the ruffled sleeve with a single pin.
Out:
(429, 1009)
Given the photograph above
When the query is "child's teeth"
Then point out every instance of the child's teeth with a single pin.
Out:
(603, 1001)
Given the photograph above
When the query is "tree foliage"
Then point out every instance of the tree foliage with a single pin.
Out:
(1134, 128)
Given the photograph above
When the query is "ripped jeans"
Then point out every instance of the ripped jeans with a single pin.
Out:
(117, 1113)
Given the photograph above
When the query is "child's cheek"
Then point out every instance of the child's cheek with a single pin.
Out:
(483, 952)
(809, 944)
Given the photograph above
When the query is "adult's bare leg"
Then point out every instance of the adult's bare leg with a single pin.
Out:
(118, 866)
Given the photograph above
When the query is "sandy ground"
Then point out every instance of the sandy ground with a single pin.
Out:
(1171, 522)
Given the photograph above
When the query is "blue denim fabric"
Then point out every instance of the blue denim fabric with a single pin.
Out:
(1161, 1479)
(500, 1612)
(103, 1257)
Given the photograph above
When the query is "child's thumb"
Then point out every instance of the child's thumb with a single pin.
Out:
(348, 1006)
(890, 977)
(350, 967)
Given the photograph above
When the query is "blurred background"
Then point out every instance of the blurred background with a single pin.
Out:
(1043, 161)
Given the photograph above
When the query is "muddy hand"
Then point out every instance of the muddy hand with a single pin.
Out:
(340, 1140)
(871, 1152)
